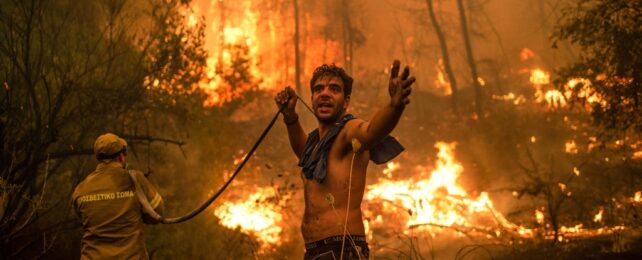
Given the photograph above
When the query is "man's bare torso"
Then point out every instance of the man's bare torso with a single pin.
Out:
(326, 203)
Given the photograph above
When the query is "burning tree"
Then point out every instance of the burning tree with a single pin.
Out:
(609, 35)
(70, 71)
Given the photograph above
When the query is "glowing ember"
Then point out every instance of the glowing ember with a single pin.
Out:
(572, 83)
(555, 99)
(481, 81)
(598, 216)
(576, 171)
(570, 147)
(255, 216)
(583, 90)
(637, 197)
(526, 54)
(539, 216)
(511, 97)
(390, 168)
(592, 143)
(539, 77)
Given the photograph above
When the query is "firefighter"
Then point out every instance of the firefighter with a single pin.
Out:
(107, 205)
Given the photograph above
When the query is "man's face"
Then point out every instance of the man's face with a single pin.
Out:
(328, 99)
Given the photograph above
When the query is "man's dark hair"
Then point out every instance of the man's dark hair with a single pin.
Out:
(333, 70)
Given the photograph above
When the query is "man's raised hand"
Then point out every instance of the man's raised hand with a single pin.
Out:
(399, 88)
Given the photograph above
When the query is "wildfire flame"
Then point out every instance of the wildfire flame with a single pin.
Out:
(256, 215)
(434, 200)
(390, 168)
(511, 97)
(555, 99)
(539, 77)
(441, 83)
(250, 48)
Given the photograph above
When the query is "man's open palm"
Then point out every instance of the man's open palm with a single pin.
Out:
(399, 87)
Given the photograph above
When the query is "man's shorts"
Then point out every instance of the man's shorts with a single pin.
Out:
(330, 248)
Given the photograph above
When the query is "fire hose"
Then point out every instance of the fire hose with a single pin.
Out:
(149, 210)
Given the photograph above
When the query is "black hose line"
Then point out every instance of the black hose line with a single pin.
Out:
(209, 201)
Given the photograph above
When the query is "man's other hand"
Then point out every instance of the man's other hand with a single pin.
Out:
(399, 88)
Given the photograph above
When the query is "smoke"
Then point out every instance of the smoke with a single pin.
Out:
(502, 152)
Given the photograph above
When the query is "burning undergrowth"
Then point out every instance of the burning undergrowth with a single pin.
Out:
(414, 202)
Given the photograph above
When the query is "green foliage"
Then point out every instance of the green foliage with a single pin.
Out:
(609, 34)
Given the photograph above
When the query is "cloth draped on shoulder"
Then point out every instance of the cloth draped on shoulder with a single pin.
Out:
(315, 152)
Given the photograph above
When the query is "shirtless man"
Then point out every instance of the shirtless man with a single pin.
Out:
(335, 157)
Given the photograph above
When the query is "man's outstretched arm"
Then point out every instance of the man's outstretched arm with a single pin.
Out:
(297, 136)
(386, 119)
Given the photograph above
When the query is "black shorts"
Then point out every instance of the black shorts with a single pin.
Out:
(330, 248)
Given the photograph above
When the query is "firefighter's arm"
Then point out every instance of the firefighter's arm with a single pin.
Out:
(154, 198)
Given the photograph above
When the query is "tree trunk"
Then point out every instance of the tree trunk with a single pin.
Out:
(221, 35)
(444, 54)
(297, 55)
(347, 36)
(471, 59)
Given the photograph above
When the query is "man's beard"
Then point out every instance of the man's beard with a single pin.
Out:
(333, 118)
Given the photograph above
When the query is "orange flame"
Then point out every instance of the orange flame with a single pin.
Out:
(598, 216)
(570, 147)
(539, 77)
(511, 97)
(526, 54)
(438, 201)
(390, 168)
(555, 99)
(441, 83)
(539, 216)
(254, 216)
(431, 201)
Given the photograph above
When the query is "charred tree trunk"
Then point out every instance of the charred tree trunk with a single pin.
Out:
(444, 54)
(471, 58)
(297, 55)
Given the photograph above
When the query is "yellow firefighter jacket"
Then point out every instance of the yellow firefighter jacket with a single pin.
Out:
(111, 214)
